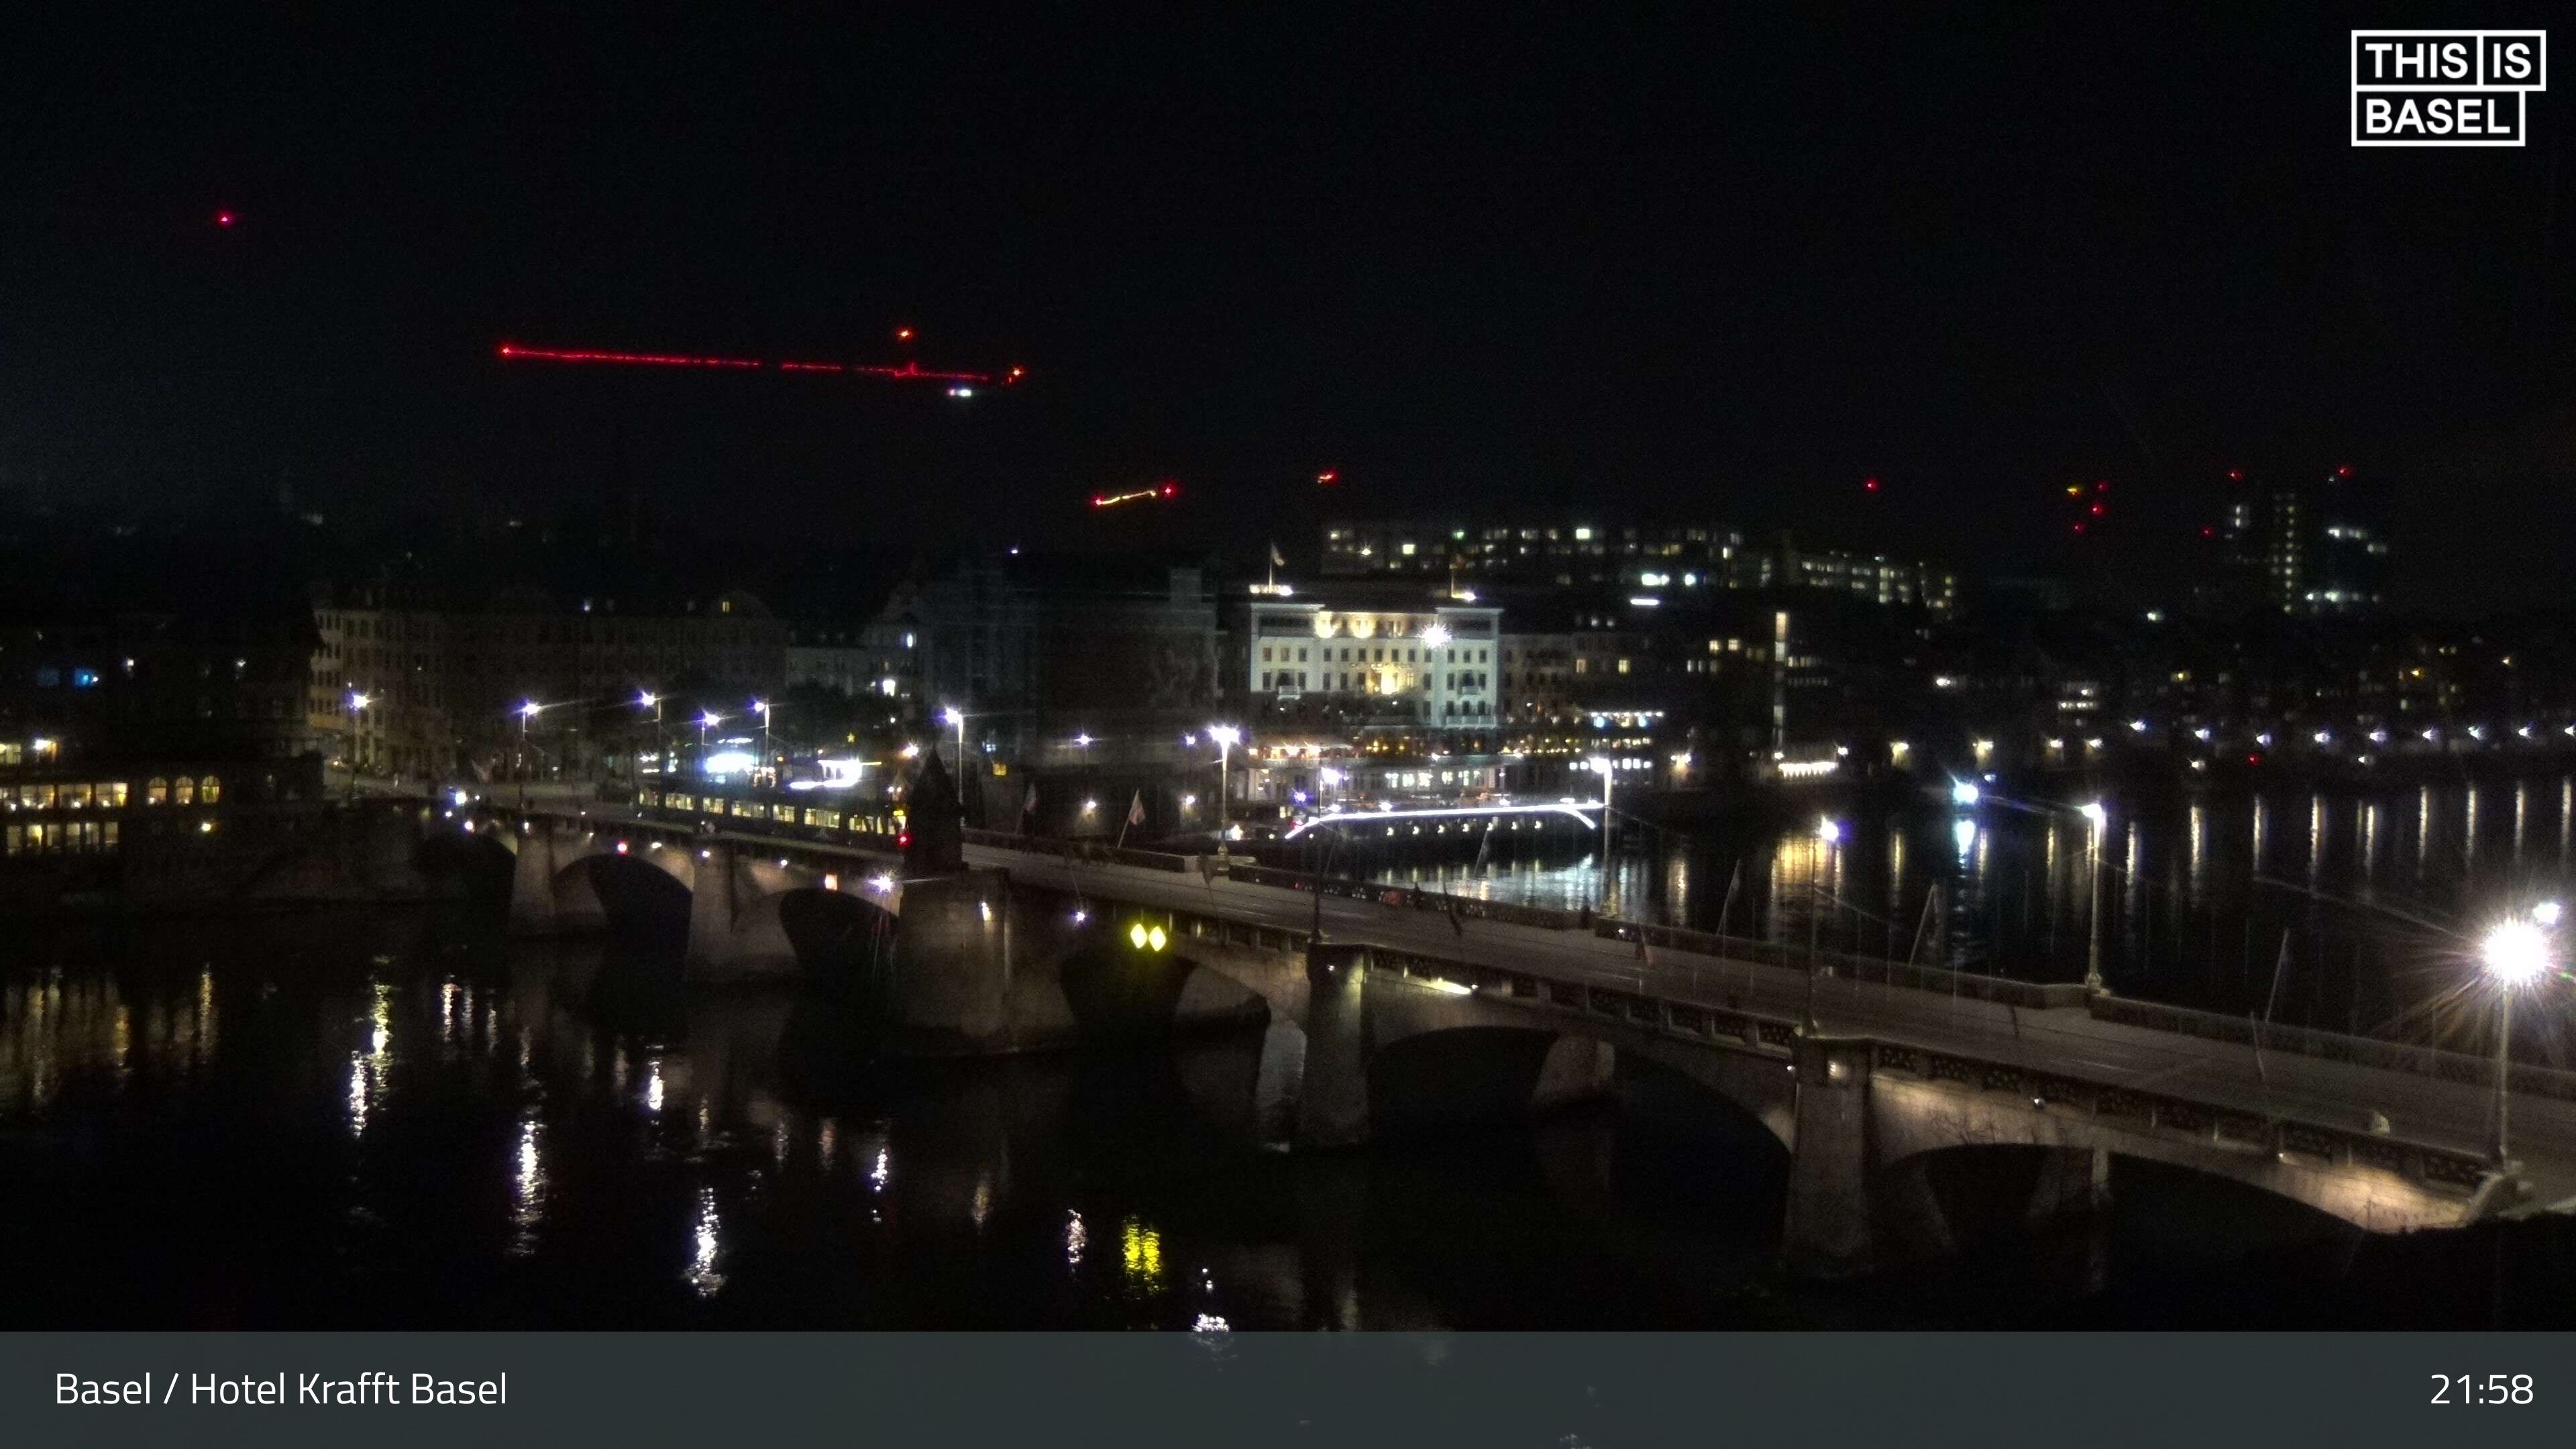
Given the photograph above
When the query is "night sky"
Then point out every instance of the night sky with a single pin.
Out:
(1725, 266)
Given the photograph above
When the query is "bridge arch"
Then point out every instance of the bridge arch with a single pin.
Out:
(1911, 1121)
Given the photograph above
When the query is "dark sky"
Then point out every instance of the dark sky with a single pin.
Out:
(1724, 263)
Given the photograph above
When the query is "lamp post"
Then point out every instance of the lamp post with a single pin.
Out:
(1226, 737)
(358, 703)
(2095, 818)
(1601, 897)
(2515, 954)
(1829, 833)
(707, 720)
(761, 707)
(647, 699)
(527, 711)
(956, 717)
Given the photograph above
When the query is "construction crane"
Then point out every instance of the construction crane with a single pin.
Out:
(960, 383)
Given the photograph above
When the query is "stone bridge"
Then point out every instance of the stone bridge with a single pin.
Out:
(1367, 1042)
(736, 911)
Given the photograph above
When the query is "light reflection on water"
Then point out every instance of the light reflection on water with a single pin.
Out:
(379, 1138)
(2200, 889)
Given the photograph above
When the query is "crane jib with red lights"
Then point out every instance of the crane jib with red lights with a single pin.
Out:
(906, 371)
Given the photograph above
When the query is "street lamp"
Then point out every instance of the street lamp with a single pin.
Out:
(358, 703)
(2515, 953)
(647, 699)
(2095, 817)
(527, 711)
(1829, 834)
(1226, 737)
(1603, 765)
(707, 720)
(761, 707)
(955, 716)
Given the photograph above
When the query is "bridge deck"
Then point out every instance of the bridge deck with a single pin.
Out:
(2065, 1041)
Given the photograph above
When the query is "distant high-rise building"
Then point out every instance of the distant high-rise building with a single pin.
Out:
(1570, 550)
(2306, 548)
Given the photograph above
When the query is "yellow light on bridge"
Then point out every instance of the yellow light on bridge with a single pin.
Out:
(1147, 937)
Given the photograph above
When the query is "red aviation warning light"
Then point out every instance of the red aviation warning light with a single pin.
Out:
(1328, 478)
(903, 334)
(223, 218)
(1869, 485)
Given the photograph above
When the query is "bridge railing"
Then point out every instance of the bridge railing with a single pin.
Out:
(2422, 1061)
(1467, 907)
(1082, 850)
(2037, 995)
(2128, 1108)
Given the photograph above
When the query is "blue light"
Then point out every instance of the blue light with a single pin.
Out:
(1963, 792)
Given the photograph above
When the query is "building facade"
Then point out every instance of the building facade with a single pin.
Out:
(405, 682)
(1431, 661)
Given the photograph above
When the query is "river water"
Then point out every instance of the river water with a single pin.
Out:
(2342, 910)
(382, 1118)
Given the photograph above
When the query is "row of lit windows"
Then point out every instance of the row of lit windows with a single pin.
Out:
(1462, 655)
(113, 795)
(64, 837)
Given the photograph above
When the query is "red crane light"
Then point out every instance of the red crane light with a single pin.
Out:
(903, 334)
(1328, 477)
(2097, 510)
(223, 218)
(2235, 475)
(1171, 490)
(2102, 487)
(2344, 472)
(2079, 528)
(1869, 485)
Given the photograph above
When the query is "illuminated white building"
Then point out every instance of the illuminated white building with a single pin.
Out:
(1436, 659)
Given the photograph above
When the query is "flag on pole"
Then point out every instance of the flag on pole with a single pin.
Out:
(1276, 561)
(1029, 804)
(1136, 809)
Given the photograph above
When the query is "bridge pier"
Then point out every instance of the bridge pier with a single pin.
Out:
(712, 897)
(1333, 1100)
(957, 989)
(2073, 1181)
(532, 884)
(1827, 1231)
